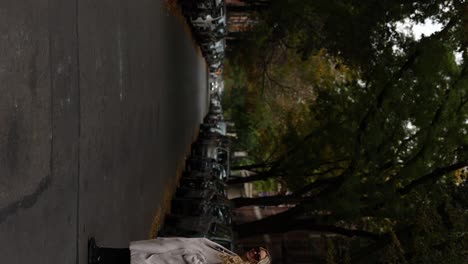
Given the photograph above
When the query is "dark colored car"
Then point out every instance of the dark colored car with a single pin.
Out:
(200, 188)
(198, 227)
(206, 165)
(213, 205)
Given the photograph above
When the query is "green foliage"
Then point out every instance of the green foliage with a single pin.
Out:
(394, 253)
(440, 234)
(270, 185)
(327, 96)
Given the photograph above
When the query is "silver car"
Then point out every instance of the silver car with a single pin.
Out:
(211, 21)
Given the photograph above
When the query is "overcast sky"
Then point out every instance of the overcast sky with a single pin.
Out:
(427, 28)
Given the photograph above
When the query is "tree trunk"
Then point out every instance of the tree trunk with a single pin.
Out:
(295, 198)
(242, 9)
(267, 201)
(263, 165)
(256, 177)
(370, 253)
(433, 176)
(271, 226)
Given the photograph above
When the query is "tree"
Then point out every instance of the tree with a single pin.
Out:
(375, 151)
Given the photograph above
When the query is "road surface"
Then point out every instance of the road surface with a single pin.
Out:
(99, 101)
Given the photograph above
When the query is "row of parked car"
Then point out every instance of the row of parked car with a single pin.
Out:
(200, 207)
(208, 21)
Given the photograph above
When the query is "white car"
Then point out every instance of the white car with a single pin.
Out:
(211, 21)
(215, 66)
(218, 46)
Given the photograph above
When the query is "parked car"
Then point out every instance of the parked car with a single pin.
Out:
(212, 58)
(215, 66)
(200, 187)
(191, 193)
(211, 148)
(205, 149)
(198, 227)
(214, 46)
(198, 176)
(215, 109)
(211, 118)
(213, 35)
(194, 8)
(206, 165)
(214, 205)
(200, 207)
(207, 15)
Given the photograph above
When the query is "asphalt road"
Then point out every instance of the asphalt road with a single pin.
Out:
(99, 101)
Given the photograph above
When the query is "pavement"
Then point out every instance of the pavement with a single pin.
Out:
(99, 102)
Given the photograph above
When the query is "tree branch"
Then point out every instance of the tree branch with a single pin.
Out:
(411, 59)
(273, 200)
(311, 186)
(253, 166)
(291, 224)
(433, 176)
(257, 177)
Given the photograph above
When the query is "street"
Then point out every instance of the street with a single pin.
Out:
(99, 102)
